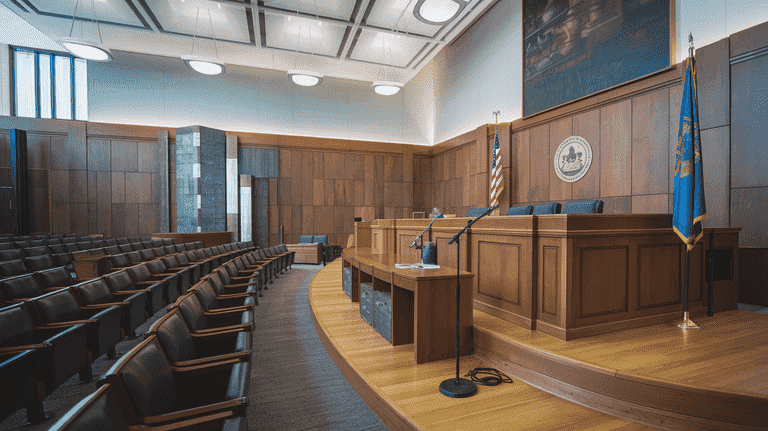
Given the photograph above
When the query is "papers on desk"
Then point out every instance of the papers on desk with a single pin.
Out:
(416, 266)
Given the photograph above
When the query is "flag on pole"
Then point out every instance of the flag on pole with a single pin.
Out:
(497, 185)
(688, 207)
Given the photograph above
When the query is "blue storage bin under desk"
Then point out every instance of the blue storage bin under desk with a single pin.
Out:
(366, 302)
(382, 313)
(346, 277)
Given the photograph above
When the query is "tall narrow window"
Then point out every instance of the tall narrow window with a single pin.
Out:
(81, 89)
(49, 85)
(45, 85)
(24, 85)
(63, 71)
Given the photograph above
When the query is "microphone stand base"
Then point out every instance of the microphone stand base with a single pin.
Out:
(457, 388)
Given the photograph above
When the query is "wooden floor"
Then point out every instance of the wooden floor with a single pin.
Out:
(406, 396)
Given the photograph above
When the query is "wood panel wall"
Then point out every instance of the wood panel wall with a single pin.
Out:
(323, 184)
(88, 177)
(460, 169)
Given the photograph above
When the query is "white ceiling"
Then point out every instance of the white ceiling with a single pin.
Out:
(354, 39)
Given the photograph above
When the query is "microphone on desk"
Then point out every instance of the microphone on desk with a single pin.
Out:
(437, 216)
(471, 222)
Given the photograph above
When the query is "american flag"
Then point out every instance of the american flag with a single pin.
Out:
(497, 185)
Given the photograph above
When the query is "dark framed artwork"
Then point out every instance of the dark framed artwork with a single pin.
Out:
(574, 48)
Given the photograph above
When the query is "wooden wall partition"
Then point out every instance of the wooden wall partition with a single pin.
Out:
(89, 177)
(323, 184)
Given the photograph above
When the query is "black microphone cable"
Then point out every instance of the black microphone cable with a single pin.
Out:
(488, 376)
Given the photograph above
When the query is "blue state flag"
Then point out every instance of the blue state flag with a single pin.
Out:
(688, 207)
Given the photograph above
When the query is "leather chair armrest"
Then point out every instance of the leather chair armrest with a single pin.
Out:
(226, 329)
(166, 274)
(247, 277)
(227, 310)
(68, 324)
(243, 295)
(223, 332)
(198, 414)
(104, 305)
(239, 356)
(203, 368)
(241, 284)
(53, 289)
(19, 349)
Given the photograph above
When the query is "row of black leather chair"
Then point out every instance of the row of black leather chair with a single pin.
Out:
(570, 207)
(18, 261)
(80, 323)
(194, 365)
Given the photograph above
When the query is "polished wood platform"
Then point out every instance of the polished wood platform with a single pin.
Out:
(659, 376)
(405, 395)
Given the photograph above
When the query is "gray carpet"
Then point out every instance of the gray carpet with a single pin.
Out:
(294, 383)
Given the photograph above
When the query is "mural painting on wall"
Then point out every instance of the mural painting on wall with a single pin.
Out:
(573, 159)
(573, 48)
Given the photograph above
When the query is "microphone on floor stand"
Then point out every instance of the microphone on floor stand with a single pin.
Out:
(458, 387)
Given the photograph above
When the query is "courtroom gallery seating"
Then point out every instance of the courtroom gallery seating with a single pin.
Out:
(57, 353)
(122, 286)
(173, 394)
(95, 294)
(201, 322)
(105, 309)
(184, 350)
(60, 309)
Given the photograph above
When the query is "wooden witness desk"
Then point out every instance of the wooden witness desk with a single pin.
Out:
(423, 302)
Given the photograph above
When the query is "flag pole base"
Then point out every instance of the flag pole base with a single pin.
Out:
(686, 323)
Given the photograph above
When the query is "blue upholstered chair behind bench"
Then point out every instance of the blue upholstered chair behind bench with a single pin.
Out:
(548, 208)
(521, 210)
(474, 212)
(583, 207)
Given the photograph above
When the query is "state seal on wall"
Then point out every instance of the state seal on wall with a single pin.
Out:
(573, 159)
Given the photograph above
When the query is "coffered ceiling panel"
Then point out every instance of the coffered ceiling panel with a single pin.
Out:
(385, 48)
(347, 37)
(303, 34)
(339, 9)
(191, 17)
(117, 12)
(398, 14)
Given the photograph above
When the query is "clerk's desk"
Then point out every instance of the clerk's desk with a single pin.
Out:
(573, 275)
(423, 302)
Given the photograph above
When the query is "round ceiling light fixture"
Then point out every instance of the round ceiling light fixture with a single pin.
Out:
(387, 88)
(86, 50)
(305, 78)
(438, 12)
(206, 66)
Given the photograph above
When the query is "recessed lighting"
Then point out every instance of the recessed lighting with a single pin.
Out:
(438, 12)
(305, 78)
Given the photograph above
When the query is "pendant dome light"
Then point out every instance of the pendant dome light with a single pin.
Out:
(79, 47)
(438, 12)
(304, 78)
(383, 86)
(204, 65)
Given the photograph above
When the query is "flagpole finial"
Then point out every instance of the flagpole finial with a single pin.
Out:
(496, 115)
(690, 44)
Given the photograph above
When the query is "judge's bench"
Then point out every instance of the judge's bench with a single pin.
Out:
(573, 275)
